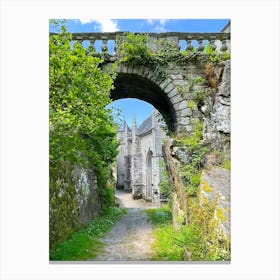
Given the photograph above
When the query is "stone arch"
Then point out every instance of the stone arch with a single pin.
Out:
(162, 93)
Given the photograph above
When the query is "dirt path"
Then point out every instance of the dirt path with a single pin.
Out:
(131, 237)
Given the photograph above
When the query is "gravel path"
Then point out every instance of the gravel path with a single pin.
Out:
(131, 237)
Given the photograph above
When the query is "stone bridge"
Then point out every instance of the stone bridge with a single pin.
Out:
(172, 94)
(190, 87)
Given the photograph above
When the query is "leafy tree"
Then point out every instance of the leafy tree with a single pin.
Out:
(82, 130)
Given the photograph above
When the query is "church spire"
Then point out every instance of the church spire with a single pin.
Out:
(134, 125)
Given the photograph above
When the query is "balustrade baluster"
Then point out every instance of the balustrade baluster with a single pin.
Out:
(91, 43)
(200, 47)
(184, 38)
(212, 43)
(189, 45)
(224, 46)
(104, 47)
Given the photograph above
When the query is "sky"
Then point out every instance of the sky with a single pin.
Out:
(130, 106)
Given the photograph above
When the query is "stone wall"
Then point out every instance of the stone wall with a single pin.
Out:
(74, 201)
(215, 188)
(89, 205)
(217, 123)
(214, 113)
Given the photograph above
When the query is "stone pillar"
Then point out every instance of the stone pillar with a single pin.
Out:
(135, 174)
(159, 136)
(126, 160)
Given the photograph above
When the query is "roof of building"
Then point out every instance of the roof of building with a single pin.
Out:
(123, 126)
(145, 126)
(226, 26)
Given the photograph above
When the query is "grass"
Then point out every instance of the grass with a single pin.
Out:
(85, 244)
(164, 247)
(190, 243)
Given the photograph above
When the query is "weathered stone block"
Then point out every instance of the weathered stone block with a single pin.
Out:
(178, 82)
(182, 153)
(175, 99)
(87, 194)
(224, 100)
(157, 80)
(165, 83)
(136, 70)
(184, 121)
(172, 93)
(176, 77)
(146, 72)
(221, 117)
(182, 106)
(189, 128)
(186, 112)
(123, 68)
(169, 88)
(224, 88)
(215, 184)
(150, 75)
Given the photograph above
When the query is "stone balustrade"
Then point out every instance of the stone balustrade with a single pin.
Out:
(184, 41)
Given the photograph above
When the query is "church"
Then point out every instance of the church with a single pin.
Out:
(139, 168)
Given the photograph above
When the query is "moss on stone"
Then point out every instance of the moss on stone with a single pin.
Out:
(220, 215)
(205, 187)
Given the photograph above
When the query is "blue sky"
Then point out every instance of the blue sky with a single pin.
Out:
(129, 106)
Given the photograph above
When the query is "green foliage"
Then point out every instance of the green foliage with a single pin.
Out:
(62, 208)
(164, 247)
(190, 240)
(226, 164)
(199, 81)
(167, 48)
(191, 171)
(197, 241)
(82, 132)
(223, 159)
(135, 50)
(214, 56)
(201, 95)
(79, 91)
(191, 104)
(85, 244)
(201, 239)
(165, 184)
(160, 216)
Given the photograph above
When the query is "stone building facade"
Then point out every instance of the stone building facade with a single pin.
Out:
(139, 159)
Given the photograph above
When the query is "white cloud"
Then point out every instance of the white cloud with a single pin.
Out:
(150, 21)
(158, 24)
(159, 29)
(163, 21)
(86, 20)
(108, 25)
(105, 25)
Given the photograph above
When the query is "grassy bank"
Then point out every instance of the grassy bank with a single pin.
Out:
(195, 242)
(164, 247)
(85, 244)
